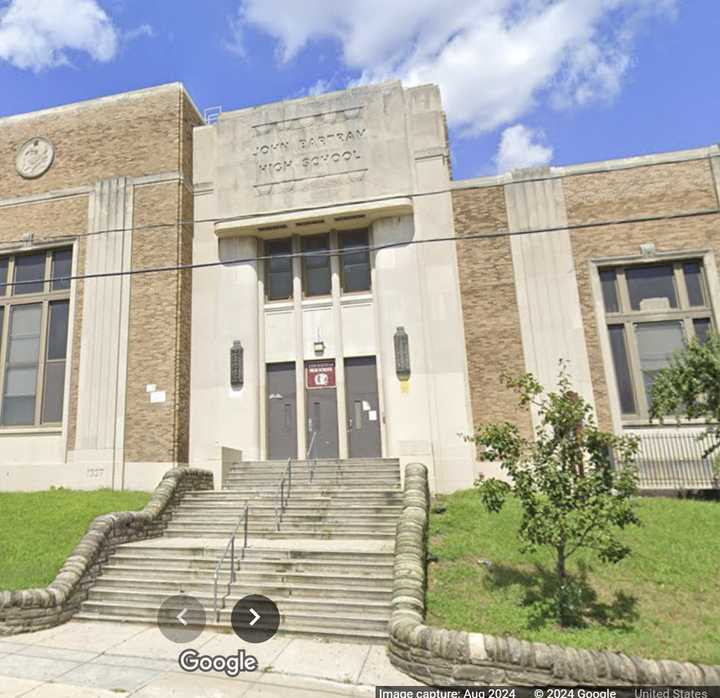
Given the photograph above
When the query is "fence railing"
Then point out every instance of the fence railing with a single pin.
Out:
(677, 461)
(230, 547)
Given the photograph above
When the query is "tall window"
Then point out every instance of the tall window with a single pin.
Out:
(316, 265)
(652, 311)
(33, 337)
(278, 270)
(354, 261)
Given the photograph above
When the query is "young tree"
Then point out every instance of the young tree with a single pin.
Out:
(572, 494)
(690, 387)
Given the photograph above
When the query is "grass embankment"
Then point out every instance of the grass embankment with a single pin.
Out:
(38, 530)
(662, 602)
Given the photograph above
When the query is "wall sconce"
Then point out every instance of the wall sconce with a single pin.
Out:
(402, 354)
(319, 344)
(237, 372)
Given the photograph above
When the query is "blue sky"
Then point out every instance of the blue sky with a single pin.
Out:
(525, 81)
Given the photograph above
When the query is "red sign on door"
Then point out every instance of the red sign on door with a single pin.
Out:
(320, 374)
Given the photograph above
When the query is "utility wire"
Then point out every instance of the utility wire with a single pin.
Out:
(489, 235)
(355, 202)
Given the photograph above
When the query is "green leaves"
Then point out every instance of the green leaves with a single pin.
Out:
(690, 386)
(575, 483)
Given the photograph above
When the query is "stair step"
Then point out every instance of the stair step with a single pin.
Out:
(275, 535)
(264, 555)
(273, 589)
(292, 625)
(288, 516)
(133, 575)
(163, 565)
(347, 462)
(374, 610)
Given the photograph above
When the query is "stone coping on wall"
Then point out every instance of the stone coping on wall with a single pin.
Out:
(448, 657)
(36, 609)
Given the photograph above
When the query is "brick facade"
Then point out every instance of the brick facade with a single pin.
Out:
(654, 190)
(492, 324)
(148, 135)
(612, 193)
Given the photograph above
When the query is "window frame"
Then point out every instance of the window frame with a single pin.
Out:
(9, 300)
(341, 251)
(328, 257)
(266, 269)
(629, 319)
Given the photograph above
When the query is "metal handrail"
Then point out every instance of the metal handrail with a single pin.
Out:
(308, 455)
(243, 519)
(284, 493)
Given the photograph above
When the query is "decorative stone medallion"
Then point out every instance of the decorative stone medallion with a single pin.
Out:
(35, 157)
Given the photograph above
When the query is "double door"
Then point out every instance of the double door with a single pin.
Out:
(321, 410)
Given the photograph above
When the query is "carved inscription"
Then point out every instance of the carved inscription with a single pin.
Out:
(307, 155)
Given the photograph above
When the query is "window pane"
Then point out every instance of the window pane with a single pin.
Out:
(57, 330)
(693, 282)
(316, 279)
(25, 320)
(61, 267)
(18, 411)
(24, 350)
(651, 288)
(54, 388)
(622, 369)
(608, 280)
(278, 270)
(355, 265)
(3, 276)
(702, 329)
(21, 382)
(656, 342)
(29, 267)
(22, 365)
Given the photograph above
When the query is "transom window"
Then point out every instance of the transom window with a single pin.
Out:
(316, 265)
(33, 337)
(652, 311)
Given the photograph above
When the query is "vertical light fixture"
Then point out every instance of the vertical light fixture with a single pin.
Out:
(237, 372)
(402, 354)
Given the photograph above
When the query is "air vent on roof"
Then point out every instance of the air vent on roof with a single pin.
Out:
(353, 217)
(315, 222)
(212, 114)
(268, 228)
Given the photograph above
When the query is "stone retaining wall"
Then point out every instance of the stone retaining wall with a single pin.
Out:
(36, 609)
(448, 657)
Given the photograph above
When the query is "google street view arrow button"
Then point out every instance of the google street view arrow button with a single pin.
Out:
(255, 618)
(181, 618)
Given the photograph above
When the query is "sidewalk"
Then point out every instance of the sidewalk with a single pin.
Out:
(100, 660)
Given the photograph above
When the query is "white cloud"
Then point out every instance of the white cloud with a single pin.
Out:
(143, 31)
(37, 34)
(521, 146)
(494, 59)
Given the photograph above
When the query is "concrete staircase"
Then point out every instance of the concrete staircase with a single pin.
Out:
(327, 562)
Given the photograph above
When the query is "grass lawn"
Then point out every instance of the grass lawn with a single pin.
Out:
(38, 530)
(662, 602)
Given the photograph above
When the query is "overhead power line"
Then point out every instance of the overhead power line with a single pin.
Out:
(352, 202)
(490, 234)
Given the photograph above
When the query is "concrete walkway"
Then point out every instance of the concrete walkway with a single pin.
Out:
(100, 660)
